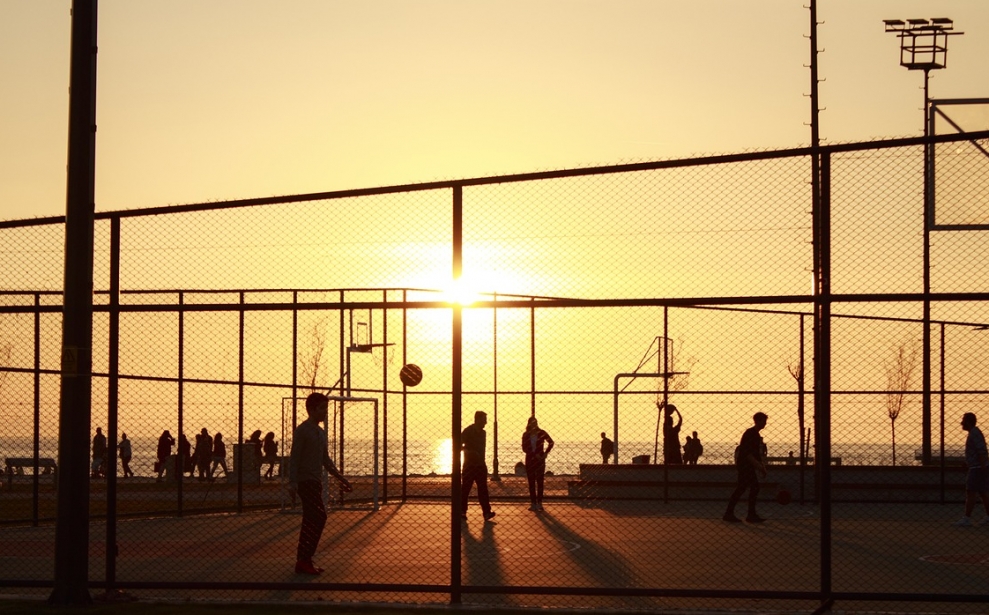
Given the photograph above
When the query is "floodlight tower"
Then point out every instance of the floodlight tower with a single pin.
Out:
(924, 46)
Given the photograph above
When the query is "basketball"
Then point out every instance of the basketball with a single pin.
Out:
(783, 496)
(411, 375)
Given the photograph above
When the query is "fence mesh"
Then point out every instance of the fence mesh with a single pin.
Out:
(595, 302)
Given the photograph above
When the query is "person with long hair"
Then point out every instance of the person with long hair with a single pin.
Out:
(537, 444)
(269, 449)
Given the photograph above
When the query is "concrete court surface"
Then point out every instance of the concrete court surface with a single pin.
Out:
(680, 545)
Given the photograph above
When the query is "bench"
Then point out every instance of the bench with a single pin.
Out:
(21, 463)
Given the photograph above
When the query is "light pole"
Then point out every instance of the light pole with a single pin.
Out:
(924, 46)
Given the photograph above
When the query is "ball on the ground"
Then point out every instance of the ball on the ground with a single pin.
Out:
(411, 375)
(783, 496)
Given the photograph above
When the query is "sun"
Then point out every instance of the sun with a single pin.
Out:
(461, 292)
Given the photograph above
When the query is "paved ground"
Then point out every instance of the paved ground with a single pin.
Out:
(620, 546)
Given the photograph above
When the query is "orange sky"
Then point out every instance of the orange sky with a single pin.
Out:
(237, 98)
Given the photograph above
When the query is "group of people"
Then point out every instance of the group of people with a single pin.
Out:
(212, 449)
(692, 447)
(200, 460)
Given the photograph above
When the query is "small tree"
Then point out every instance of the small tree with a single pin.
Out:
(899, 376)
(796, 369)
(312, 360)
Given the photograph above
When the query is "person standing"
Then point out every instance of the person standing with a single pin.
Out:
(99, 454)
(203, 454)
(185, 457)
(164, 451)
(126, 452)
(750, 464)
(308, 457)
(533, 441)
(607, 449)
(977, 460)
(473, 441)
(671, 433)
(269, 448)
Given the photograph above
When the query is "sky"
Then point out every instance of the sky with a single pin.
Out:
(206, 101)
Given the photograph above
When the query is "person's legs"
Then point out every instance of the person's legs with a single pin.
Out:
(482, 491)
(313, 519)
(467, 481)
(530, 475)
(540, 471)
(752, 515)
(744, 481)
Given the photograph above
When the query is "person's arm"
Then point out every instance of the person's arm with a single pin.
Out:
(335, 473)
(549, 442)
(679, 419)
(293, 465)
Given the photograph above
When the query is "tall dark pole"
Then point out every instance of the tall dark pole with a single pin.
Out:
(457, 405)
(928, 222)
(75, 403)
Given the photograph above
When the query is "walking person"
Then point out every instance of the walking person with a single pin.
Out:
(533, 441)
(750, 463)
(164, 451)
(607, 449)
(126, 452)
(219, 455)
(473, 441)
(99, 454)
(977, 460)
(308, 457)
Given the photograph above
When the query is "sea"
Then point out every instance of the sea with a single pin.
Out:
(433, 457)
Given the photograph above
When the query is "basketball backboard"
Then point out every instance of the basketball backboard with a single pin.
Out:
(960, 169)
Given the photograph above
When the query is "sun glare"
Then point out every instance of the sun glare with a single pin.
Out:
(461, 292)
(443, 459)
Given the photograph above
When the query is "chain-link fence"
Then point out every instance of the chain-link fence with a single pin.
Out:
(651, 308)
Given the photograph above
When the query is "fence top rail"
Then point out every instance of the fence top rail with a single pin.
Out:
(516, 178)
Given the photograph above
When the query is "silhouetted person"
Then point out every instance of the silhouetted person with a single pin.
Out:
(308, 457)
(126, 452)
(203, 454)
(533, 441)
(607, 449)
(977, 460)
(790, 459)
(671, 433)
(692, 449)
(473, 441)
(255, 440)
(184, 453)
(269, 449)
(219, 455)
(99, 454)
(750, 464)
(164, 451)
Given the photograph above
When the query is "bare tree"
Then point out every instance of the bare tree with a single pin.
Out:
(899, 375)
(312, 360)
(796, 369)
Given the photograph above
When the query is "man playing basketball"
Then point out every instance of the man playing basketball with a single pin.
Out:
(308, 458)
